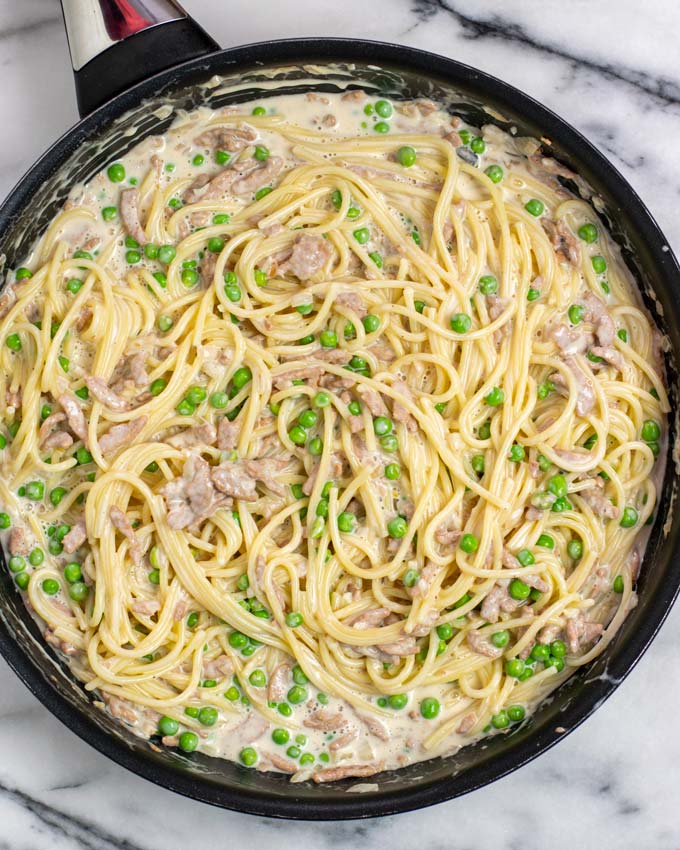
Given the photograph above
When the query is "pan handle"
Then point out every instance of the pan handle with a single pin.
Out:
(117, 43)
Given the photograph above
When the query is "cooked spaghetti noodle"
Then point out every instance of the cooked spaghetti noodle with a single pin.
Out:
(330, 440)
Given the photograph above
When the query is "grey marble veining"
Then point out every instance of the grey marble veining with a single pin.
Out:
(612, 70)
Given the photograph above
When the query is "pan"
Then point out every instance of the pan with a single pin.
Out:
(135, 65)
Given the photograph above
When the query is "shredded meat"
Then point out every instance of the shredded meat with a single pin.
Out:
(75, 537)
(467, 724)
(344, 740)
(609, 355)
(311, 373)
(549, 633)
(146, 607)
(383, 351)
(49, 439)
(598, 502)
(251, 728)
(281, 763)
(399, 412)
(198, 435)
(331, 774)
(239, 478)
(370, 619)
(19, 541)
(62, 645)
(563, 241)
(192, 498)
(310, 254)
(595, 311)
(424, 583)
(121, 522)
(338, 356)
(447, 535)
(103, 393)
(373, 401)
(218, 668)
(479, 644)
(75, 417)
(278, 682)
(227, 435)
(353, 302)
(585, 399)
(400, 648)
(120, 708)
(231, 139)
(325, 720)
(571, 340)
(496, 600)
(581, 632)
(257, 177)
(129, 212)
(121, 435)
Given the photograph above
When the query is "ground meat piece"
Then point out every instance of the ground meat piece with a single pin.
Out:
(265, 470)
(146, 607)
(75, 537)
(278, 682)
(581, 632)
(227, 434)
(218, 668)
(496, 600)
(198, 435)
(370, 619)
(180, 611)
(251, 728)
(585, 398)
(192, 498)
(337, 356)
(595, 311)
(329, 120)
(401, 648)
(257, 177)
(230, 478)
(447, 535)
(343, 740)
(598, 502)
(282, 764)
(549, 633)
(326, 721)
(331, 774)
(121, 522)
(399, 412)
(19, 541)
(129, 212)
(104, 394)
(122, 435)
(7, 301)
(62, 645)
(374, 726)
(310, 254)
(609, 355)
(353, 302)
(231, 139)
(427, 576)
(563, 241)
(311, 373)
(383, 351)
(337, 383)
(75, 416)
(480, 644)
(308, 486)
(373, 401)
(354, 95)
(216, 360)
(121, 708)
(208, 264)
(49, 439)
(571, 340)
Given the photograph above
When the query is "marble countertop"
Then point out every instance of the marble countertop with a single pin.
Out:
(611, 71)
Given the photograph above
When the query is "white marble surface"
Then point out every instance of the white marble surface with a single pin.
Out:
(612, 70)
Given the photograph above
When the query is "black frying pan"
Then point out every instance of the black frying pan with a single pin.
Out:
(118, 111)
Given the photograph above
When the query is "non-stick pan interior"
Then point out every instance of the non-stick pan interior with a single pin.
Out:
(479, 100)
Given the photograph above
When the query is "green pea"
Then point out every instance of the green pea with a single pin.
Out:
(383, 108)
(560, 505)
(362, 235)
(308, 418)
(518, 589)
(650, 431)
(533, 294)
(294, 619)
(258, 679)
(315, 446)
(35, 490)
(73, 572)
(297, 695)
(558, 649)
(392, 471)
(599, 264)
(196, 395)
(116, 172)
(469, 543)
(189, 277)
(397, 701)
(557, 485)
(488, 284)
(410, 578)
(397, 527)
(328, 339)
(478, 464)
(382, 425)
(546, 541)
(534, 207)
(259, 110)
(406, 156)
(166, 254)
(371, 323)
(215, 244)
(514, 667)
(517, 453)
(50, 586)
(575, 314)
(540, 652)
(16, 563)
(429, 708)
(500, 720)
(346, 522)
(618, 584)
(629, 517)
(501, 638)
(389, 442)
(13, 342)
(305, 309)
(494, 173)
(588, 232)
(419, 305)
(484, 431)
(575, 549)
(461, 323)
(241, 377)
(544, 389)
(5, 520)
(381, 127)
(222, 157)
(495, 398)
(353, 212)
(233, 292)
(22, 580)
(265, 190)
(354, 408)
(525, 558)
(478, 145)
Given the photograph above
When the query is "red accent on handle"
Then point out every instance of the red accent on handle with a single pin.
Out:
(122, 19)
